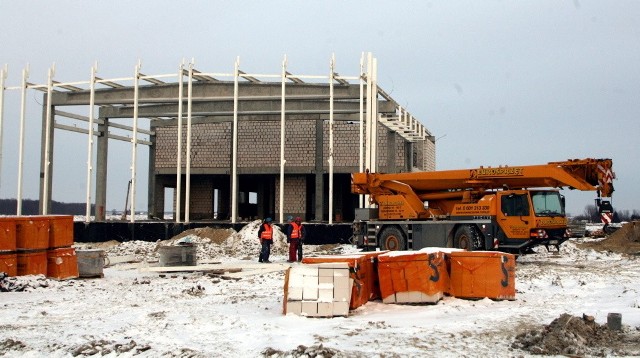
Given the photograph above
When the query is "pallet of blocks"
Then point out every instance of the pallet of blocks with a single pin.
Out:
(318, 290)
(360, 270)
(413, 276)
(480, 274)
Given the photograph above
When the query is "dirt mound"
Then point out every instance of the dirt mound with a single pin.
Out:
(217, 236)
(625, 240)
(570, 335)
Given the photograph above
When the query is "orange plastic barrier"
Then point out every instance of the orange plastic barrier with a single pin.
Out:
(62, 263)
(412, 276)
(32, 263)
(7, 234)
(32, 232)
(358, 271)
(479, 274)
(60, 231)
(9, 263)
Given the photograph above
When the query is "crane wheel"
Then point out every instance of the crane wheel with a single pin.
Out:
(392, 239)
(467, 238)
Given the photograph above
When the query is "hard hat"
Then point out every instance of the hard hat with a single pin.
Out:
(298, 218)
(267, 220)
(289, 218)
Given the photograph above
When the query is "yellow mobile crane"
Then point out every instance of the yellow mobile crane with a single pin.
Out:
(506, 208)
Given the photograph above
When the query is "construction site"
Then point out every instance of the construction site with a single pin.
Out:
(386, 236)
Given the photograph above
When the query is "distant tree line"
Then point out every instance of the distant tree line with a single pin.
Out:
(591, 214)
(31, 207)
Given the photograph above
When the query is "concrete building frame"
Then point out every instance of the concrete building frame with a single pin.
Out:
(328, 104)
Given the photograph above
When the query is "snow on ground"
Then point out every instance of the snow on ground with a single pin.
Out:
(133, 312)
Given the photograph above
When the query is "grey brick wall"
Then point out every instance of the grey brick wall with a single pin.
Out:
(295, 188)
(259, 146)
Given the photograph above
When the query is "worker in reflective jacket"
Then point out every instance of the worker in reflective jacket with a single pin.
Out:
(265, 234)
(295, 234)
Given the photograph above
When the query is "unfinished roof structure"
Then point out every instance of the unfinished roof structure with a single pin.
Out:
(238, 145)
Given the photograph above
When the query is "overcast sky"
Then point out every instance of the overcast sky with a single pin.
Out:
(497, 82)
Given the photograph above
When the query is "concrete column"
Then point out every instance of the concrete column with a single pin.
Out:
(42, 156)
(319, 193)
(408, 156)
(152, 191)
(391, 152)
(102, 150)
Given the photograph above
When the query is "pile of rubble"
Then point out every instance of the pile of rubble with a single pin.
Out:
(575, 336)
(625, 240)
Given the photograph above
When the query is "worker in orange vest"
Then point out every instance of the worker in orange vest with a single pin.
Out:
(295, 234)
(265, 234)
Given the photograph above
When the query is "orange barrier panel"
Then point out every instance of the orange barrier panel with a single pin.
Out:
(9, 263)
(412, 276)
(60, 231)
(7, 234)
(62, 263)
(479, 274)
(358, 271)
(32, 232)
(32, 263)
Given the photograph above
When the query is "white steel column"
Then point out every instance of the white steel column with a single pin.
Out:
(92, 96)
(23, 109)
(179, 154)
(374, 116)
(234, 149)
(282, 134)
(369, 117)
(47, 141)
(187, 200)
(361, 133)
(3, 77)
(134, 140)
(331, 75)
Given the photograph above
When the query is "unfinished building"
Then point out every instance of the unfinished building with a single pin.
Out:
(236, 146)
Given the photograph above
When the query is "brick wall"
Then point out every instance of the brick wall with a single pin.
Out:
(259, 146)
(295, 202)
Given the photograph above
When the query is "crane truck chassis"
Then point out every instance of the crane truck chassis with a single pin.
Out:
(510, 209)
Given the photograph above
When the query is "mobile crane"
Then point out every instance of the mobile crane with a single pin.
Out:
(506, 208)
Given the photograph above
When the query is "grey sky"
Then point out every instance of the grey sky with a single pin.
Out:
(497, 82)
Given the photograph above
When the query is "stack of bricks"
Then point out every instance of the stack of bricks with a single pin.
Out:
(412, 276)
(427, 275)
(322, 290)
(38, 245)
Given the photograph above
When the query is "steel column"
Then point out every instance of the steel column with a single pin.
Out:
(134, 142)
(23, 110)
(179, 153)
(282, 141)
(187, 200)
(234, 149)
(92, 97)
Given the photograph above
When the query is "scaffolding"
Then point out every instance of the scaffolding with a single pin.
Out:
(369, 118)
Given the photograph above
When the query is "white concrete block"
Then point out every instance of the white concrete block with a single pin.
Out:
(309, 308)
(341, 308)
(325, 294)
(325, 309)
(295, 294)
(310, 293)
(294, 307)
(341, 282)
(389, 299)
(325, 272)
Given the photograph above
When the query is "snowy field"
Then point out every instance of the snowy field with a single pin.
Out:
(134, 312)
